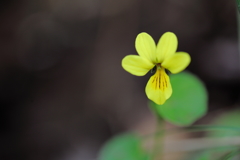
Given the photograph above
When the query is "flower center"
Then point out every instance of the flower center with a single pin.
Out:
(158, 66)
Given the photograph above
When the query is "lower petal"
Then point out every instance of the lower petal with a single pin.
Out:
(159, 88)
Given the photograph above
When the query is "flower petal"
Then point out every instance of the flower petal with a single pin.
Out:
(166, 46)
(136, 65)
(146, 46)
(159, 88)
(177, 62)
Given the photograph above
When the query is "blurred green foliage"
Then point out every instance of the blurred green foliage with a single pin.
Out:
(203, 156)
(230, 119)
(238, 4)
(123, 147)
(228, 152)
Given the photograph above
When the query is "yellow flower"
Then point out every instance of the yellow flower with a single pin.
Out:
(163, 56)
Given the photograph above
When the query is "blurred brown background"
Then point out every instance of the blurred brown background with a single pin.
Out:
(63, 91)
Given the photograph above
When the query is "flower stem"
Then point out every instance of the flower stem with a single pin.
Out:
(158, 145)
(157, 149)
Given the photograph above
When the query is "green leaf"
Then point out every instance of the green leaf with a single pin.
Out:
(187, 103)
(123, 147)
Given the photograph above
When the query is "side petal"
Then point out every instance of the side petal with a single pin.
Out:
(136, 65)
(159, 88)
(146, 46)
(177, 62)
(167, 46)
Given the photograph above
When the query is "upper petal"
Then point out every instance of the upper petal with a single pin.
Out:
(166, 46)
(159, 88)
(177, 62)
(146, 46)
(136, 65)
